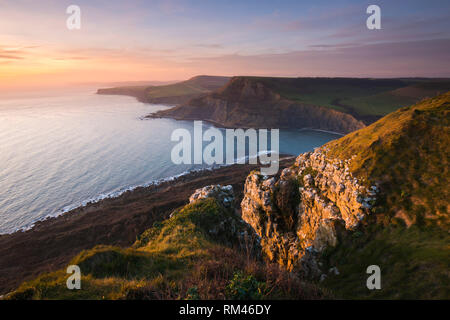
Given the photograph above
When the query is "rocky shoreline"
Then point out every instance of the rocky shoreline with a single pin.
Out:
(51, 243)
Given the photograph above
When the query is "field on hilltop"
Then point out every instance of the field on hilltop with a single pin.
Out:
(364, 98)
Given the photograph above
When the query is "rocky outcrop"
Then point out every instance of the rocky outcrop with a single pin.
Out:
(224, 194)
(307, 209)
(233, 225)
(248, 103)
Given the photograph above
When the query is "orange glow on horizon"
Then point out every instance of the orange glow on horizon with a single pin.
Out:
(50, 72)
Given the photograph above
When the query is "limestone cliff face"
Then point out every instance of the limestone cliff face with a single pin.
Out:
(247, 103)
(306, 210)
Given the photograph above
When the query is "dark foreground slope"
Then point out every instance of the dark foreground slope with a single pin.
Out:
(176, 93)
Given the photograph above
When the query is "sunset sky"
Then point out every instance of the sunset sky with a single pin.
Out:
(177, 39)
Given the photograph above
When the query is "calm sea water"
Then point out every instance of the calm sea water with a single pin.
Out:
(60, 151)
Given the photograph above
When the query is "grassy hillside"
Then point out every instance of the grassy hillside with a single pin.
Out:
(363, 97)
(386, 102)
(414, 263)
(194, 254)
(407, 154)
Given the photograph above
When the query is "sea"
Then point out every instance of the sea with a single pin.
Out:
(62, 149)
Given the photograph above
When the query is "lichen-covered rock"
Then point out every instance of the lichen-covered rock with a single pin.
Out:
(229, 225)
(309, 208)
(336, 186)
(223, 194)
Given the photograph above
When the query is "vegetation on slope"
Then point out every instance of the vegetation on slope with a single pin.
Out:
(414, 263)
(406, 153)
(361, 97)
(192, 255)
(382, 103)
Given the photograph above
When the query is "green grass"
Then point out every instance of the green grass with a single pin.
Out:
(167, 249)
(325, 91)
(414, 264)
(379, 104)
(374, 97)
(389, 101)
(194, 254)
(407, 153)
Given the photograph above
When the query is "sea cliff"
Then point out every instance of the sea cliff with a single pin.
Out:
(247, 103)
